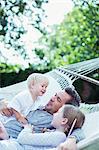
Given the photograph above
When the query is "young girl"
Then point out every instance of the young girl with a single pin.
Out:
(64, 121)
(26, 100)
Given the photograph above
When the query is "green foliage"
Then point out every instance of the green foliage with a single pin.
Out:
(12, 15)
(40, 53)
(81, 37)
(76, 38)
(12, 77)
(9, 68)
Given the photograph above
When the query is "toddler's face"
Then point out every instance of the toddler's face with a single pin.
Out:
(40, 88)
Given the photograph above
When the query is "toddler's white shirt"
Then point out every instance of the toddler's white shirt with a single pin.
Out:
(23, 102)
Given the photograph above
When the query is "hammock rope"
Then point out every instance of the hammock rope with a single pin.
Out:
(66, 75)
(83, 65)
(82, 77)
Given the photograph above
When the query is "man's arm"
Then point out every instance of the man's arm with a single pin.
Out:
(19, 117)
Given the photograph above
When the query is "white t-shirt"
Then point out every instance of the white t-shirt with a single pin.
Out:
(23, 102)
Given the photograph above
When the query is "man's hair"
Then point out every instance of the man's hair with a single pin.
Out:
(75, 96)
(36, 78)
(71, 113)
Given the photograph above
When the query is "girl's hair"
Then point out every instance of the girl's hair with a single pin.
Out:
(36, 78)
(71, 113)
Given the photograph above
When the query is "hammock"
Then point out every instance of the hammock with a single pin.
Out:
(76, 71)
(60, 78)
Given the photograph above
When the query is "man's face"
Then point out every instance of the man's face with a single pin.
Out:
(57, 101)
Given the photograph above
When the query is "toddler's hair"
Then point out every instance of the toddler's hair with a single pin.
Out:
(37, 78)
(71, 113)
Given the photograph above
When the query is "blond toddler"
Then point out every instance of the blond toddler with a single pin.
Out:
(28, 100)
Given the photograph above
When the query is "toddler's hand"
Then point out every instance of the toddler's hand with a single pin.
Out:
(6, 112)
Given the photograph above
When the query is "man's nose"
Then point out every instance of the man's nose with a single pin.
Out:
(53, 98)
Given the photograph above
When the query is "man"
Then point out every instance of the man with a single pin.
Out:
(42, 117)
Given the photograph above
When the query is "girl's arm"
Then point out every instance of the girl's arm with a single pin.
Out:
(51, 139)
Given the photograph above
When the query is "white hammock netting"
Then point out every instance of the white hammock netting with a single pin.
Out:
(59, 79)
(68, 74)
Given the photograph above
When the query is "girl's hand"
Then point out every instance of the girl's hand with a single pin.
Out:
(69, 144)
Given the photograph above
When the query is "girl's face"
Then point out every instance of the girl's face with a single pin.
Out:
(58, 118)
(40, 88)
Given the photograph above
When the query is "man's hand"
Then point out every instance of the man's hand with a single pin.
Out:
(69, 144)
(22, 119)
(6, 112)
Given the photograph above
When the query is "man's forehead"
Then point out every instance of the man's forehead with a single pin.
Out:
(61, 94)
(64, 96)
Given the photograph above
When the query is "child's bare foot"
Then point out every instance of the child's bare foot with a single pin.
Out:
(3, 133)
